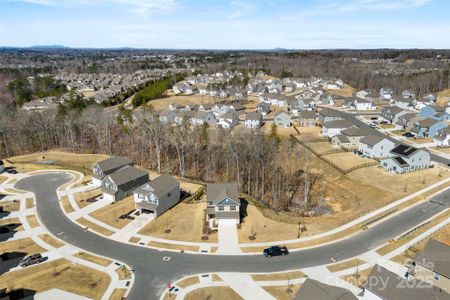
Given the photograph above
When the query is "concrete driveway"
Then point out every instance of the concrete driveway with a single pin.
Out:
(228, 238)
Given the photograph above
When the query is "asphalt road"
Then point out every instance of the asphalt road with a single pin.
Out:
(153, 274)
(353, 117)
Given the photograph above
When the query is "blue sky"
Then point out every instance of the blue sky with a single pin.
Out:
(227, 24)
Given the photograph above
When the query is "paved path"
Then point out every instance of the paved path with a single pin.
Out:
(133, 227)
(228, 239)
(244, 285)
(152, 272)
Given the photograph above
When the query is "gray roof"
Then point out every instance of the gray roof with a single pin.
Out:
(371, 140)
(427, 122)
(338, 124)
(385, 285)
(160, 186)
(254, 116)
(355, 131)
(306, 114)
(114, 162)
(326, 112)
(436, 257)
(217, 192)
(127, 174)
(316, 290)
(393, 109)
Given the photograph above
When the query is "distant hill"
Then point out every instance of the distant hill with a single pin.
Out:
(48, 47)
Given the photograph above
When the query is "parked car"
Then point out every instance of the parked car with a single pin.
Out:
(275, 251)
(32, 260)
(372, 125)
(408, 134)
(374, 118)
(383, 122)
(11, 171)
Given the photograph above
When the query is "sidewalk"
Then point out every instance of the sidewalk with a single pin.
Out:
(245, 286)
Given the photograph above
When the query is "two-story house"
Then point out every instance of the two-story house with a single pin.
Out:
(222, 203)
(307, 118)
(263, 108)
(427, 127)
(108, 166)
(332, 128)
(442, 137)
(375, 146)
(253, 120)
(157, 196)
(392, 113)
(123, 182)
(435, 112)
(327, 115)
(282, 119)
(433, 265)
(405, 158)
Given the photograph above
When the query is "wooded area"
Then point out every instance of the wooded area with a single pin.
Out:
(267, 167)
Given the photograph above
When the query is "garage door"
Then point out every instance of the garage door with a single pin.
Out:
(108, 197)
(227, 222)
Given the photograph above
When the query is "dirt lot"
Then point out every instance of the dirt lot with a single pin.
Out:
(262, 228)
(110, 214)
(60, 274)
(213, 293)
(162, 104)
(347, 91)
(347, 160)
(63, 159)
(185, 222)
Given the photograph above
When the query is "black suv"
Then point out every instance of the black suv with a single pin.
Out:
(31, 260)
(275, 251)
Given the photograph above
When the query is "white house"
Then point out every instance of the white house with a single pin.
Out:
(228, 120)
(202, 117)
(332, 128)
(375, 146)
(361, 104)
(442, 138)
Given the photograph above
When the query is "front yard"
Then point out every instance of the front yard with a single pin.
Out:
(184, 222)
(114, 213)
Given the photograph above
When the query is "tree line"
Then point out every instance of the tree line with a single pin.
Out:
(272, 169)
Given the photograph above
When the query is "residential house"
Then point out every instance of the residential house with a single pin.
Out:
(392, 113)
(332, 128)
(427, 127)
(434, 112)
(307, 104)
(177, 106)
(406, 121)
(307, 118)
(405, 158)
(442, 137)
(167, 116)
(289, 87)
(282, 119)
(222, 204)
(315, 290)
(375, 146)
(205, 107)
(263, 108)
(433, 265)
(362, 104)
(220, 109)
(409, 94)
(326, 115)
(190, 90)
(326, 99)
(382, 284)
(253, 120)
(386, 93)
(123, 182)
(236, 107)
(108, 166)
(349, 138)
(157, 196)
(366, 94)
(202, 117)
(228, 120)
(405, 103)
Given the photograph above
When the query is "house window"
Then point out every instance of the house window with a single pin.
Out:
(436, 276)
(210, 203)
(232, 207)
(220, 208)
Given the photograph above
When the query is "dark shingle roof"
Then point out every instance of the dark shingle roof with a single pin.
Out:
(306, 114)
(436, 256)
(315, 290)
(387, 285)
(326, 112)
(127, 174)
(114, 163)
(217, 192)
(371, 140)
(338, 124)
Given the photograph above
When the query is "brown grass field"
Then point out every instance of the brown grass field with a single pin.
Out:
(93, 258)
(110, 214)
(213, 293)
(60, 274)
(26, 245)
(347, 160)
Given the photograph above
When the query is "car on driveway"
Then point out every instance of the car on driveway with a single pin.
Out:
(11, 171)
(32, 260)
(408, 134)
(275, 251)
